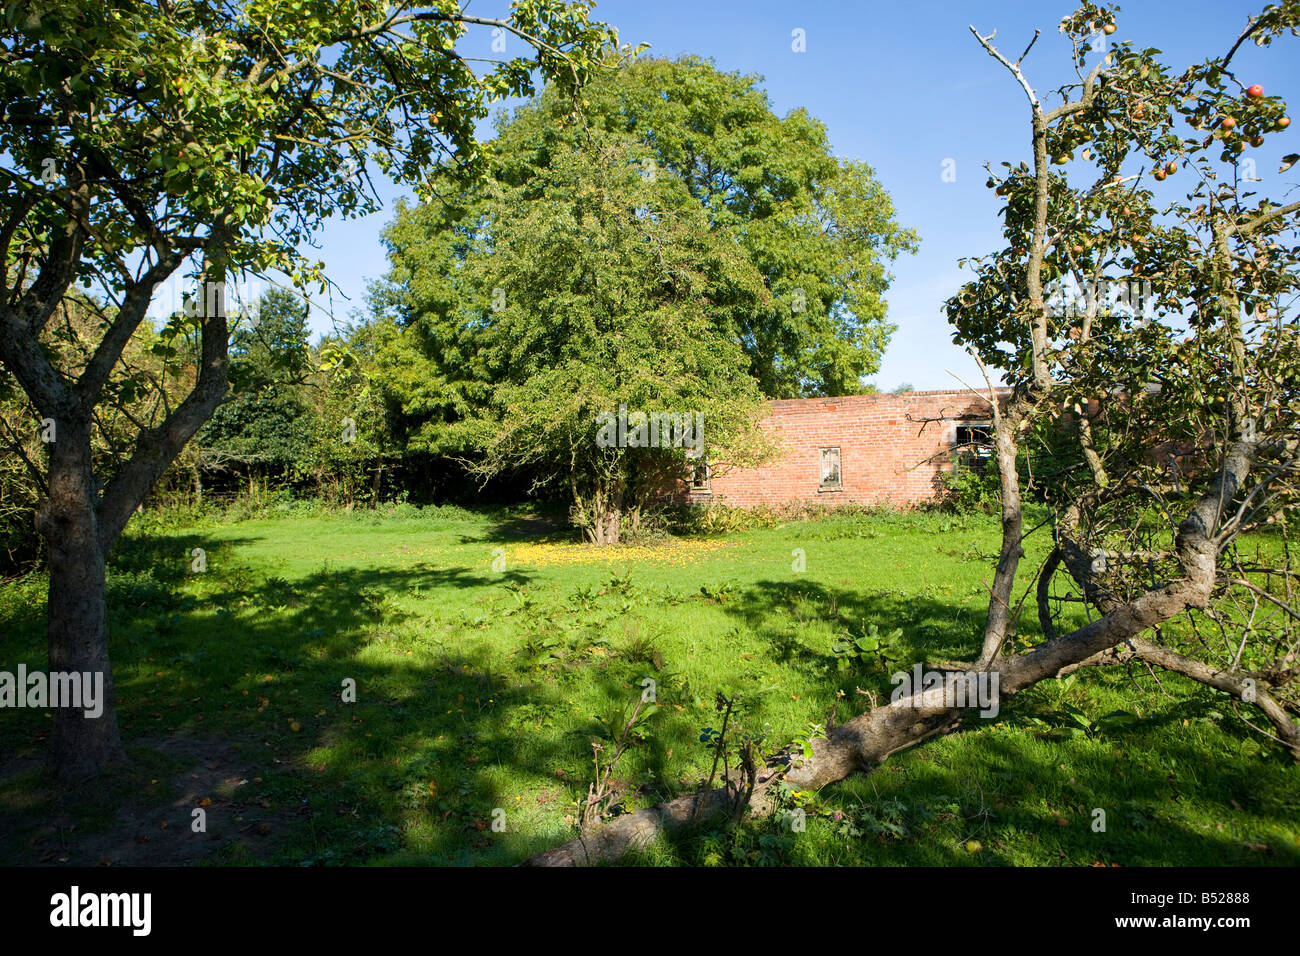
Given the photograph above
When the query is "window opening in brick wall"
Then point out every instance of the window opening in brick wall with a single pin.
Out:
(973, 446)
(830, 461)
(700, 479)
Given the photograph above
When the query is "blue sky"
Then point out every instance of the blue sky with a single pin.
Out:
(903, 87)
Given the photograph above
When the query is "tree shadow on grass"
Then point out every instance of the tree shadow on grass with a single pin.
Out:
(441, 740)
(449, 735)
(1003, 797)
(1015, 756)
(538, 523)
(800, 620)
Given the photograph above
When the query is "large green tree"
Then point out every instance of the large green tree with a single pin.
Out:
(592, 289)
(208, 138)
(263, 426)
(818, 229)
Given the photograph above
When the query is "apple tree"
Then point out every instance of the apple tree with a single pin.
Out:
(207, 139)
(1175, 411)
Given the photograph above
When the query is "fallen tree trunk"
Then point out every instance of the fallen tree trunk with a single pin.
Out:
(865, 742)
(1244, 688)
(886, 730)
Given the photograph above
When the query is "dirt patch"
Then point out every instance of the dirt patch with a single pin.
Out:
(238, 824)
(532, 526)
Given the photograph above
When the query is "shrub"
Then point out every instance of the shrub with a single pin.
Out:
(717, 518)
(968, 490)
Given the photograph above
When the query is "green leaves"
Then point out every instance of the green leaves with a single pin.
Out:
(560, 292)
(202, 107)
(1115, 722)
(817, 231)
(869, 647)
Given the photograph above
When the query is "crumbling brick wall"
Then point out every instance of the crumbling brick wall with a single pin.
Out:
(893, 449)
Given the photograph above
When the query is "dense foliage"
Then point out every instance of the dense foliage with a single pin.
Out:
(1143, 308)
(678, 248)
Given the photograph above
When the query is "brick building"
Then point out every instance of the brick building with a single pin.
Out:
(865, 449)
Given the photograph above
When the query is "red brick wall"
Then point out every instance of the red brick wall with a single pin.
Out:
(884, 444)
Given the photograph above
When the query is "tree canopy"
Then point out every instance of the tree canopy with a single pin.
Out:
(592, 288)
(818, 230)
(674, 244)
(211, 138)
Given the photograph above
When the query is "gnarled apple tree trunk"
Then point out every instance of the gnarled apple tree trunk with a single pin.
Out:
(79, 517)
(77, 611)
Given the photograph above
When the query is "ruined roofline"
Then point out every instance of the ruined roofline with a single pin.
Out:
(964, 394)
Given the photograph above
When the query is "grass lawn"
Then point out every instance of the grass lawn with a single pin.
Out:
(489, 651)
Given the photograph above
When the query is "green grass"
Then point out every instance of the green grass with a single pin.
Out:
(482, 689)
